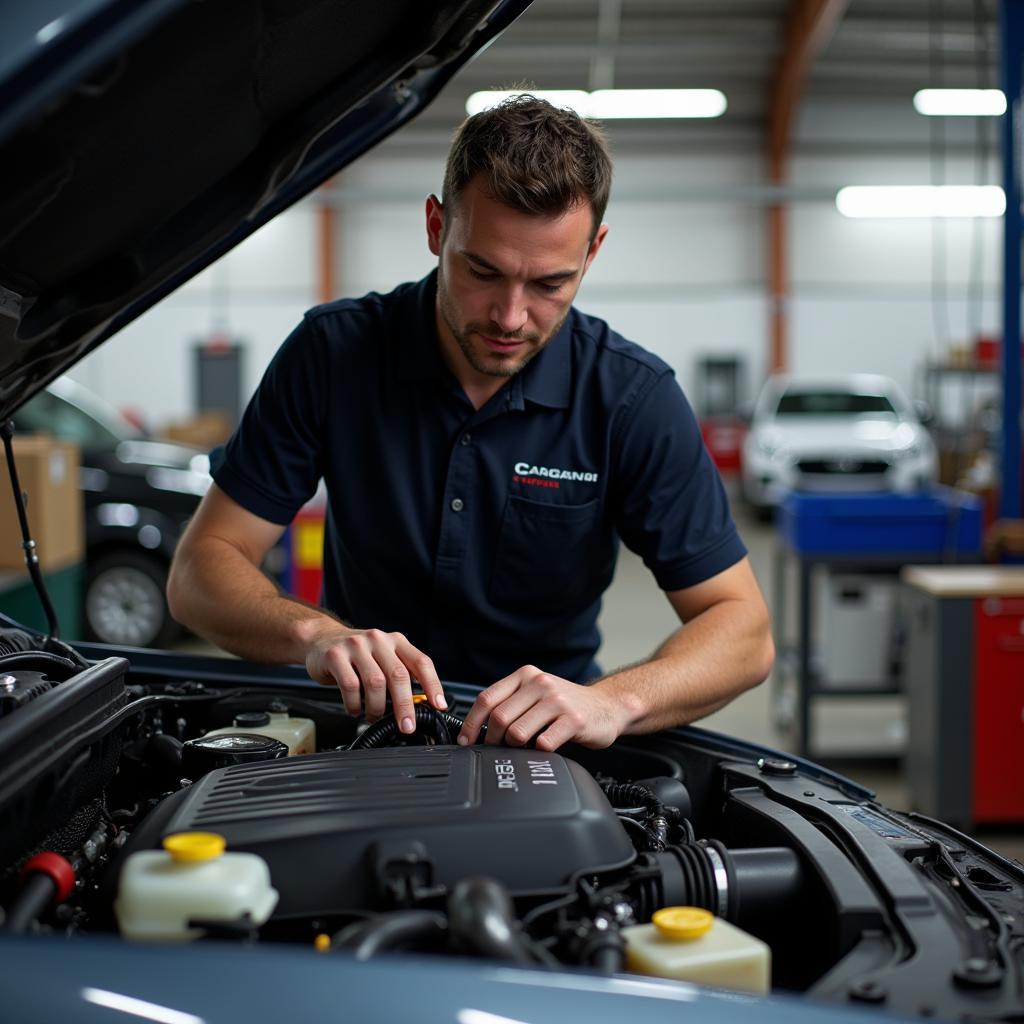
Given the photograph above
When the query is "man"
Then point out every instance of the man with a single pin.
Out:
(484, 446)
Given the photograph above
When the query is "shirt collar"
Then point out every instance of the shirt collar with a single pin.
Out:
(546, 379)
(419, 351)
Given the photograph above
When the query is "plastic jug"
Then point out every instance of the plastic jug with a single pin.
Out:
(691, 944)
(160, 891)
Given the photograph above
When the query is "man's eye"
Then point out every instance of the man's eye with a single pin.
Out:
(482, 275)
(549, 288)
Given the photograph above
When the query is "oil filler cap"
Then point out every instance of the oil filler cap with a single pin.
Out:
(683, 922)
(189, 847)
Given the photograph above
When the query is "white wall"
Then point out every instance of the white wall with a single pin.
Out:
(682, 271)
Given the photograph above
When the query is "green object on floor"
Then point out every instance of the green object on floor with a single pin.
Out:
(19, 601)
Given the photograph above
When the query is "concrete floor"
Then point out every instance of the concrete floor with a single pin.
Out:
(636, 618)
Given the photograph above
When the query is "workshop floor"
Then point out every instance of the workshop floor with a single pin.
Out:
(636, 618)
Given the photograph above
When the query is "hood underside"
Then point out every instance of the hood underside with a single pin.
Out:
(140, 142)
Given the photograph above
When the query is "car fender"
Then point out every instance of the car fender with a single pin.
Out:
(122, 524)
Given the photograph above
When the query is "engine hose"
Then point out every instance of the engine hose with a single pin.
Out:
(481, 919)
(47, 878)
(605, 951)
(626, 794)
(32, 899)
(384, 732)
(664, 821)
(39, 661)
(390, 931)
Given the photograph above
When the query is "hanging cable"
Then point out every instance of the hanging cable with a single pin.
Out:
(28, 544)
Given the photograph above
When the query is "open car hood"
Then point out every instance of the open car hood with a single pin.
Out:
(141, 141)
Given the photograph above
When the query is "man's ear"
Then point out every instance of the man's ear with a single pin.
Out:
(435, 223)
(596, 244)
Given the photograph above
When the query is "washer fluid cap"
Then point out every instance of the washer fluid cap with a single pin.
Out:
(683, 922)
(252, 719)
(188, 847)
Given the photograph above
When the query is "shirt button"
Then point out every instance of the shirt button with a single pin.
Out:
(465, 439)
(458, 504)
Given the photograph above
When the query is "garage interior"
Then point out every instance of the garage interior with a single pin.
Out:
(729, 258)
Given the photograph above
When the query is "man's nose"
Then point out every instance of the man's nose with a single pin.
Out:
(508, 310)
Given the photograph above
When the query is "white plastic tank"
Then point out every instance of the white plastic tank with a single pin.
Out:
(192, 877)
(691, 944)
(298, 734)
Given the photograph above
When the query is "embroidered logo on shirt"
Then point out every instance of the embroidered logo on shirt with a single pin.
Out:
(545, 476)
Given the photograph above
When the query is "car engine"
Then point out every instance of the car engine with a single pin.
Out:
(377, 842)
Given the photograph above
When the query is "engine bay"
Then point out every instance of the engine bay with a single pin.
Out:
(360, 841)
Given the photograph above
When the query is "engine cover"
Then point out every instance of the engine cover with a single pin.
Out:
(325, 823)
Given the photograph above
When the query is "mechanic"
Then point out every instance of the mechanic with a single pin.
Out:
(484, 445)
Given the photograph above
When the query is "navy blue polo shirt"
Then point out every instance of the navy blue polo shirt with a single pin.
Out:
(485, 536)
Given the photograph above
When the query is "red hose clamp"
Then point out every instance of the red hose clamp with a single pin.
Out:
(56, 868)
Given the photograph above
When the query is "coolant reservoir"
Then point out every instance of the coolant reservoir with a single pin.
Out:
(160, 891)
(690, 944)
(298, 734)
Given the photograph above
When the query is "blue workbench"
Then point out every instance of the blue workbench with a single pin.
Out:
(863, 533)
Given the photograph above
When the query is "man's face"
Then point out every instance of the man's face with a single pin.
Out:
(506, 280)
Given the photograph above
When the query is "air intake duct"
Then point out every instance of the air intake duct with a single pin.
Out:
(737, 885)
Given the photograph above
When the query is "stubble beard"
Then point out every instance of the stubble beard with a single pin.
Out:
(489, 364)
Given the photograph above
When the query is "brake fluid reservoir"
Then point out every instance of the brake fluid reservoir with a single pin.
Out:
(690, 944)
(298, 734)
(160, 891)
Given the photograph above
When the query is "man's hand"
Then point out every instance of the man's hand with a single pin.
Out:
(530, 703)
(367, 665)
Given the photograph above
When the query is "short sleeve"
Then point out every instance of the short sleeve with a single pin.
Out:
(273, 462)
(672, 509)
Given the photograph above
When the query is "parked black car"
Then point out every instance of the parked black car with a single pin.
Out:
(139, 494)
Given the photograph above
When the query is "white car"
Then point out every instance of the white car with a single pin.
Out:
(837, 434)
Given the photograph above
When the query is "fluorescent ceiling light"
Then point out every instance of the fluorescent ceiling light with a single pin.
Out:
(960, 102)
(610, 104)
(574, 99)
(613, 103)
(921, 201)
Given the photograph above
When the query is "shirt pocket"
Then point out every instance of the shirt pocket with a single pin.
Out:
(548, 555)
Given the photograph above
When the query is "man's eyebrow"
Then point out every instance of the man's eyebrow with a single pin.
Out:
(555, 275)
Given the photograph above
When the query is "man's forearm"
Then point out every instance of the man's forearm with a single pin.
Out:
(219, 594)
(700, 668)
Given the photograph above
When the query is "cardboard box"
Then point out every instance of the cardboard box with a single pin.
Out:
(207, 430)
(48, 472)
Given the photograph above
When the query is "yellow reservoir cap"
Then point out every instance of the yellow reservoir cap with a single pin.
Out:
(185, 847)
(683, 922)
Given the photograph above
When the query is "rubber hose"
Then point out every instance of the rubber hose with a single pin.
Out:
(32, 899)
(38, 661)
(381, 733)
(482, 919)
(391, 930)
(608, 957)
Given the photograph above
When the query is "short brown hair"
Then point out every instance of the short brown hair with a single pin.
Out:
(535, 158)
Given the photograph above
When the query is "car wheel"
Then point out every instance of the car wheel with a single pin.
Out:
(125, 602)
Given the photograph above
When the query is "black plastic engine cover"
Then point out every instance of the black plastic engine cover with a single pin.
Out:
(323, 822)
